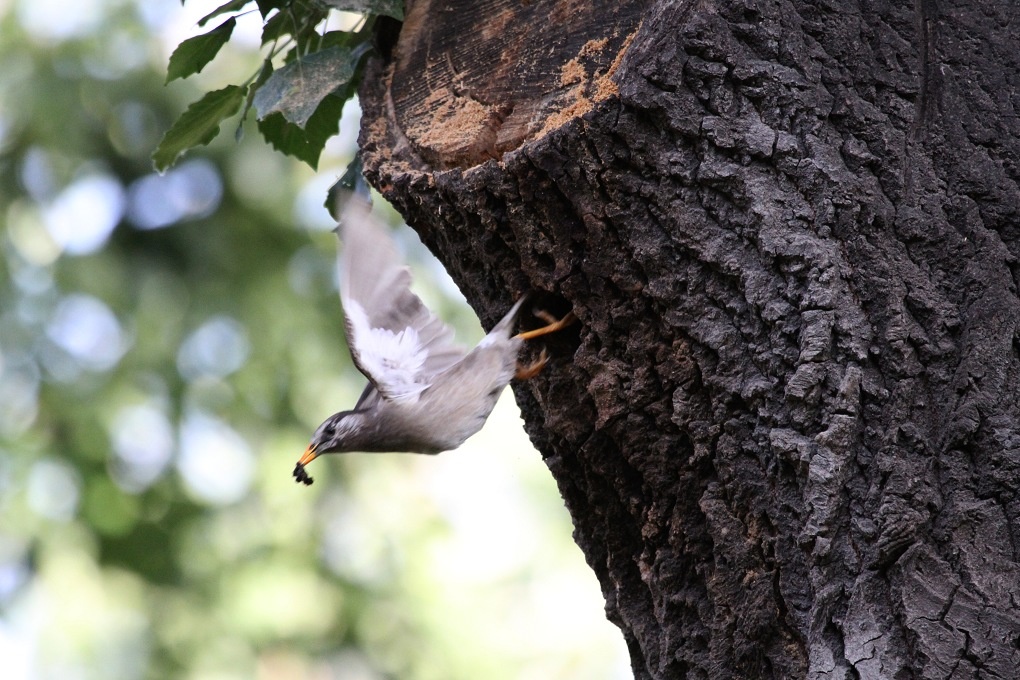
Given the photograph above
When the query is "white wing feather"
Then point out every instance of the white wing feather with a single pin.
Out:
(398, 356)
(394, 339)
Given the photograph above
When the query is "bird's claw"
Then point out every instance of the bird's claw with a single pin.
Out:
(532, 369)
(546, 316)
(301, 475)
(552, 324)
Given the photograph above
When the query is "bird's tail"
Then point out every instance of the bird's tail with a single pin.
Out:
(506, 323)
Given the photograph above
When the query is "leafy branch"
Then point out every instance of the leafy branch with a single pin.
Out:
(299, 91)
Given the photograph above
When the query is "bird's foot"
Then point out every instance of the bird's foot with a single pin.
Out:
(301, 476)
(532, 369)
(552, 324)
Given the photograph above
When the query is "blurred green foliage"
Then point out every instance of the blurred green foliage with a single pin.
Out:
(308, 74)
(167, 345)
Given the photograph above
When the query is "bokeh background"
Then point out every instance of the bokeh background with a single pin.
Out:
(167, 345)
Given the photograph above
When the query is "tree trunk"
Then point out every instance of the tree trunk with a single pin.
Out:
(787, 427)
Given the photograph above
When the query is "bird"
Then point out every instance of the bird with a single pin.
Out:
(425, 393)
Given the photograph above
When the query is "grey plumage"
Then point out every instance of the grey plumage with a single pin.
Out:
(426, 394)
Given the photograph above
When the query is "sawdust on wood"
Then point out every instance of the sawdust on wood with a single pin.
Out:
(459, 126)
(593, 47)
(450, 127)
(585, 90)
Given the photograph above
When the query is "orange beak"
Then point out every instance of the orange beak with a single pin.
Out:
(309, 455)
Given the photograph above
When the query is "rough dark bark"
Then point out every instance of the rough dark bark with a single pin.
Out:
(788, 426)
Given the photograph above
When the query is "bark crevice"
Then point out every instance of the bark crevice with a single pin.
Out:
(788, 425)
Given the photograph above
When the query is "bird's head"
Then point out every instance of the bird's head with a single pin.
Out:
(333, 436)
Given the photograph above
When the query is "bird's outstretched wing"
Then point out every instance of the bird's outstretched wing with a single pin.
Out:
(394, 339)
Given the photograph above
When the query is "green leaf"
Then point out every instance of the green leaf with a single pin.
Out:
(279, 25)
(304, 144)
(267, 6)
(297, 89)
(198, 125)
(352, 181)
(267, 70)
(389, 8)
(298, 21)
(232, 6)
(342, 39)
(193, 54)
(307, 37)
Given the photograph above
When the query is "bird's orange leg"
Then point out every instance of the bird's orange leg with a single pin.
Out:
(553, 325)
(532, 369)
